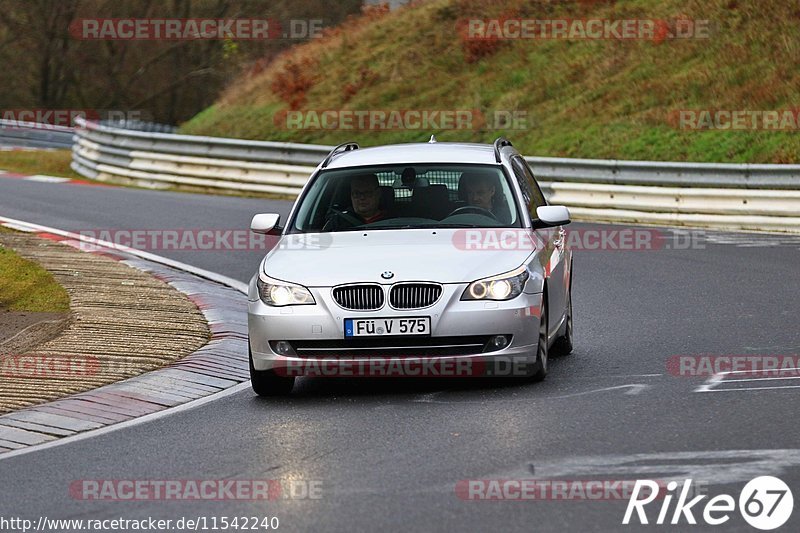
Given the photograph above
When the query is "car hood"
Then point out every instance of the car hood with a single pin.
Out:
(328, 259)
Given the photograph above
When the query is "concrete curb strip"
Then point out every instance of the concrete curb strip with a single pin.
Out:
(123, 322)
(218, 365)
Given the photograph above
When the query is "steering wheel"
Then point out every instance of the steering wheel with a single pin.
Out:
(472, 209)
(345, 216)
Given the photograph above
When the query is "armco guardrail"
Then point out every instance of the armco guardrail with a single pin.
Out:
(32, 135)
(722, 196)
(159, 159)
(660, 174)
(750, 197)
(36, 135)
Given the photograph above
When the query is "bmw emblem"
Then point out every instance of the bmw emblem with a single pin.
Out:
(387, 275)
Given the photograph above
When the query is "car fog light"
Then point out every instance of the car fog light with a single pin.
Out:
(282, 348)
(498, 342)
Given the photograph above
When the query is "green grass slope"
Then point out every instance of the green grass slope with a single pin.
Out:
(581, 98)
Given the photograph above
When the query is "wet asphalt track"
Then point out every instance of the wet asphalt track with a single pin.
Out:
(388, 454)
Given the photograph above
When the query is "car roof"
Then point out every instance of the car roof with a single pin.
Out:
(439, 152)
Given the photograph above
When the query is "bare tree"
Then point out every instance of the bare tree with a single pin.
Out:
(48, 67)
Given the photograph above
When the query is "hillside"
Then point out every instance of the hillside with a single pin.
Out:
(596, 98)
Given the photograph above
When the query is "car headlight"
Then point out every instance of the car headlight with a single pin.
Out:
(501, 287)
(281, 293)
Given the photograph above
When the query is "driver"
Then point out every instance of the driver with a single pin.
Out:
(365, 196)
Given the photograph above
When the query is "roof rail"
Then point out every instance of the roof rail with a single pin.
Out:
(499, 143)
(344, 147)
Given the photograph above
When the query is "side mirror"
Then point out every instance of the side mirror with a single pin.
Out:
(551, 215)
(264, 223)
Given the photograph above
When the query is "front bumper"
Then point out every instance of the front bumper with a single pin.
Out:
(322, 324)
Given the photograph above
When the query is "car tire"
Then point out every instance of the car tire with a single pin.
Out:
(268, 383)
(563, 345)
(542, 351)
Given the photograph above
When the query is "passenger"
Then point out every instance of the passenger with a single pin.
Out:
(481, 190)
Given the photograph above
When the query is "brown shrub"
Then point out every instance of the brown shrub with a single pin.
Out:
(293, 82)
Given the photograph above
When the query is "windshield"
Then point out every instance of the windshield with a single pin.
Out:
(423, 196)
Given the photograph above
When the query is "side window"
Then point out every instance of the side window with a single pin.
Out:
(527, 184)
(538, 197)
(524, 186)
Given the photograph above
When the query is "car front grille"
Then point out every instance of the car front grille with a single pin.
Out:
(396, 347)
(365, 297)
(414, 295)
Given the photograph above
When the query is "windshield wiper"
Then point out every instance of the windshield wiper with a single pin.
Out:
(388, 226)
(412, 226)
(450, 226)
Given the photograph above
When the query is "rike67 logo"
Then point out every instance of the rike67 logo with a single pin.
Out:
(765, 503)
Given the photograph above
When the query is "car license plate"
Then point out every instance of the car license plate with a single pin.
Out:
(376, 327)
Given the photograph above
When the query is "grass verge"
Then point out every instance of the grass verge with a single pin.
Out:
(25, 286)
(47, 162)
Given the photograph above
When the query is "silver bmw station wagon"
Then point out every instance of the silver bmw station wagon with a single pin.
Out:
(429, 259)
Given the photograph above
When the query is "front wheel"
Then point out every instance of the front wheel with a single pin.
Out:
(542, 352)
(563, 345)
(268, 383)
